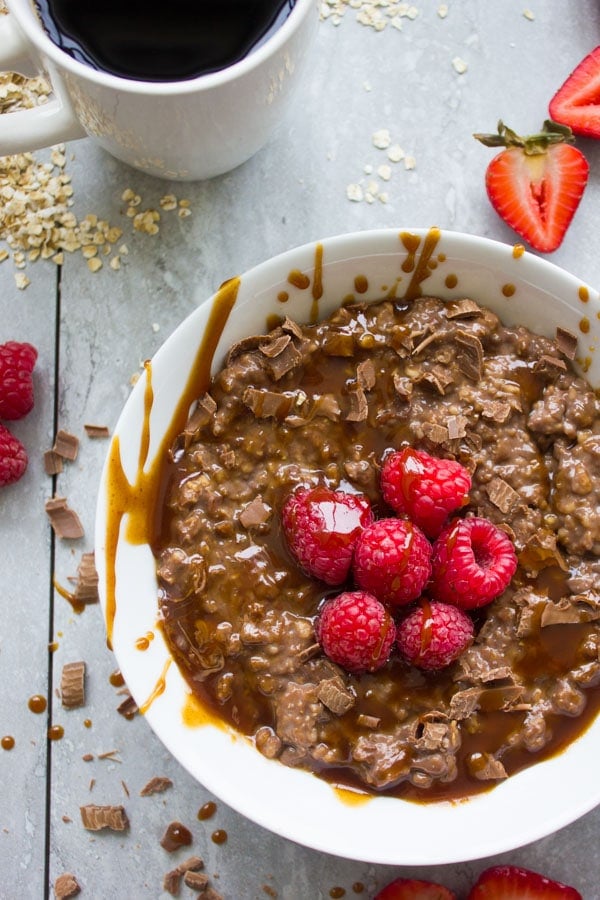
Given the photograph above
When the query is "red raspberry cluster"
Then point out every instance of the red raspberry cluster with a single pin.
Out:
(17, 361)
(448, 565)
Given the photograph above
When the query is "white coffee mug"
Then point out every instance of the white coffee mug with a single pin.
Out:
(182, 130)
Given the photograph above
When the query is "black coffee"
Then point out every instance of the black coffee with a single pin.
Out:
(170, 41)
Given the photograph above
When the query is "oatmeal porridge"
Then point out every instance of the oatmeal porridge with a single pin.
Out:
(323, 405)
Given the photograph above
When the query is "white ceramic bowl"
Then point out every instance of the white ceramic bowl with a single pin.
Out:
(521, 288)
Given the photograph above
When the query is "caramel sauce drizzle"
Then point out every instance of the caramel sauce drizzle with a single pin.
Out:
(158, 689)
(139, 498)
(418, 265)
(77, 605)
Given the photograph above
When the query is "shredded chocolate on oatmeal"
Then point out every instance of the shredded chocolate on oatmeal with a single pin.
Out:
(255, 513)
(549, 365)
(497, 410)
(437, 434)
(487, 768)
(156, 785)
(570, 611)
(359, 407)
(337, 343)
(502, 495)
(462, 309)
(293, 328)
(66, 886)
(96, 818)
(438, 376)
(403, 386)
(65, 522)
(365, 721)
(72, 685)
(282, 356)
(469, 357)
(309, 653)
(457, 427)
(335, 696)
(267, 404)
(365, 375)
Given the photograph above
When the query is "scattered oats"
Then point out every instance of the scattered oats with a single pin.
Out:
(367, 86)
(395, 153)
(381, 139)
(155, 327)
(528, 14)
(183, 212)
(146, 221)
(185, 204)
(123, 250)
(58, 258)
(442, 10)
(94, 264)
(21, 280)
(396, 22)
(384, 172)
(459, 65)
(115, 263)
(168, 202)
(127, 195)
(355, 193)
(368, 169)
(409, 162)
(383, 196)
(4, 254)
(89, 251)
(369, 197)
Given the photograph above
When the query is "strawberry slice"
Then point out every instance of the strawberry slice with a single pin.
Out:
(413, 889)
(515, 883)
(577, 102)
(535, 183)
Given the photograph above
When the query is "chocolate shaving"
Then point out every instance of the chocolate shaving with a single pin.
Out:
(327, 406)
(359, 407)
(172, 879)
(438, 377)
(96, 818)
(292, 327)
(66, 445)
(338, 343)
(567, 342)
(549, 365)
(97, 431)
(335, 696)
(274, 345)
(86, 580)
(255, 513)
(368, 721)
(497, 410)
(462, 309)
(308, 653)
(156, 785)
(66, 886)
(64, 521)
(72, 685)
(469, 357)
(540, 552)
(501, 494)
(267, 404)
(570, 611)
(365, 375)
(128, 708)
(282, 356)
(437, 434)
(457, 427)
(196, 880)
(403, 386)
(464, 703)
(53, 463)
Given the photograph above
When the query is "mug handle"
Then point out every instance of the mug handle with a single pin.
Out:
(53, 122)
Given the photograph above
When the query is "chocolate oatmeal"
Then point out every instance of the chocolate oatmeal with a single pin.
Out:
(322, 405)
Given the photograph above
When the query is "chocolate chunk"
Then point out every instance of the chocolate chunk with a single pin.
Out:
(309, 652)
(66, 445)
(267, 404)
(502, 495)
(64, 521)
(457, 427)
(128, 708)
(72, 685)
(403, 386)
(255, 513)
(156, 785)
(427, 340)
(549, 365)
(567, 342)
(497, 410)
(335, 696)
(571, 611)
(368, 721)
(293, 328)
(338, 343)
(485, 767)
(437, 376)
(540, 552)
(96, 818)
(282, 356)
(437, 434)
(211, 894)
(469, 356)
(327, 406)
(66, 886)
(172, 879)
(97, 431)
(464, 703)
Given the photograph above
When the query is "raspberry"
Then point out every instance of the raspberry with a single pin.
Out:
(16, 387)
(414, 889)
(356, 631)
(392, 560)
(473, 561)
(424, 488)
(321, 527)
(13, 457)
(434, 634)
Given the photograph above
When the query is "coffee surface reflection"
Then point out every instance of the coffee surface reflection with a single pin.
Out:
(172, 41)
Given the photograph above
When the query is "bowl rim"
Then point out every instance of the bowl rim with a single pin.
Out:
(357, 825)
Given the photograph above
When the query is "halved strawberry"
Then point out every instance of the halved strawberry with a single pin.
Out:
(535, 183)
(577, 102)
(515, 883)
(413, 889)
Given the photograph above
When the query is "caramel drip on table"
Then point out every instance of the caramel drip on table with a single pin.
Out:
(77, 605)
(138, 499)
(158, 689)
(317, 289)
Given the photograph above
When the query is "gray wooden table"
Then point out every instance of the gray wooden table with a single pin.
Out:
(430, 84)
